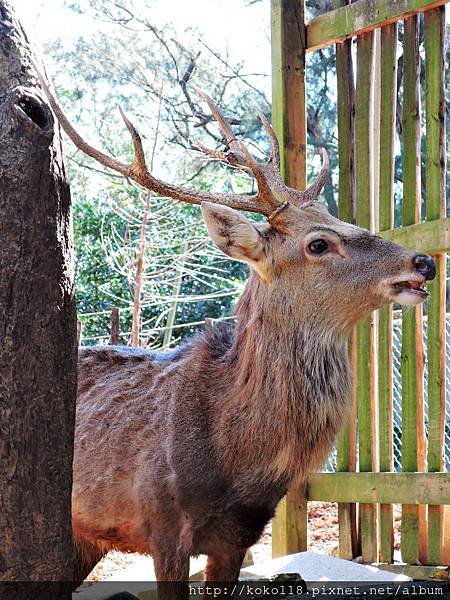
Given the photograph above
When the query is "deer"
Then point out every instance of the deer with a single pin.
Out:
(189, 451)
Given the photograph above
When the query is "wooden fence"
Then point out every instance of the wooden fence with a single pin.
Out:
(366, 486)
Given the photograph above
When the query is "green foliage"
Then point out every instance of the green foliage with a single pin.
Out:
(97, 283)
(321, 95)
(123, 59)
(141, 71)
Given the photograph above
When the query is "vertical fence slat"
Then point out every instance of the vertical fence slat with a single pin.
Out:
(114, 338)
(365, 351)
(289, 527)
(349, 544)
(435, 209)
(288, 88)
(412, 348)
(345, 118)
(386, 221)
(346, 451)
(79, 332)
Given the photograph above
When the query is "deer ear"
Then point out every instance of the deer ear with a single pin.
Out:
(233, 233)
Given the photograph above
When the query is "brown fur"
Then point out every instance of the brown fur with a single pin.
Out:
(190, 451)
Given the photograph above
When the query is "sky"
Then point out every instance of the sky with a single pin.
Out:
(224, 24)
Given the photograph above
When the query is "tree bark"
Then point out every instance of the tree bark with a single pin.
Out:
(37, 332)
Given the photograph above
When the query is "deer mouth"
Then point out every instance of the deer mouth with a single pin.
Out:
(412, 288)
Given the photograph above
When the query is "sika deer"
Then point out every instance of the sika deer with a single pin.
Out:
(190, 451)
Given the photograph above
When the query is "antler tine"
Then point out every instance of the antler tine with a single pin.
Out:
(311, 194)
(223, 123)
(80, 143)
(262, 202)
(218, 154)
(240, 154)
(315, 188)
(275, 146)
(230, 158)
(139, 156)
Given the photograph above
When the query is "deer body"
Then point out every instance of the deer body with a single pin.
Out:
(189, 452)
(197, 448)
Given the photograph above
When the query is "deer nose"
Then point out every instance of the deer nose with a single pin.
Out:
(425, 266)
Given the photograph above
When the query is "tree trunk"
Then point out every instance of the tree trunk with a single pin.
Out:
(37, 333)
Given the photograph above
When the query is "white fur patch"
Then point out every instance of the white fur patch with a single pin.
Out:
(407, 298)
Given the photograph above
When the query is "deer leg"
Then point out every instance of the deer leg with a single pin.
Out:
(224, 568)
(86, 557)
(172, 574)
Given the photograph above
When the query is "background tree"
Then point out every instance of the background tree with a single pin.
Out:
(176, 120)
(38, 325)
(149, 72)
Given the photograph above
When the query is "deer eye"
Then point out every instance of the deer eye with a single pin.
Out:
(318, 247)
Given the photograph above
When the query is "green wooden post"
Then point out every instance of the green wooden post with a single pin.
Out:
(365, 353)
(349, 544)
(288, 88)
(432, 237)
(346, 451)
(360, 17)
(345, 111)
(435, 209)
(388, 103)
(406, 488)
(412, 355)
(289, 528)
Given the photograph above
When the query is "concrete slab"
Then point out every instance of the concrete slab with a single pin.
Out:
(313, 566)
(135, 579)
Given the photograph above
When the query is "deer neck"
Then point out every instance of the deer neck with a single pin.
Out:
(290, 384)
(278, 344)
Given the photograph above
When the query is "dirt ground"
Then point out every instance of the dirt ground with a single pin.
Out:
(322, 537)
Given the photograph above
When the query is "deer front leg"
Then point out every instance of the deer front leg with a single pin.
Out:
(172, 574)
(224, 567)
(86, 557)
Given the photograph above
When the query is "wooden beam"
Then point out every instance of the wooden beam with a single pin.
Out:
(387, 125)
(434, 25)
(418, 572)
(346, 450)
(412, 357)
(388, 102)
(361, 17)
(365, 339)
(349, 545)
(387, 488)
(346, 134)
(432, 237)
(289, 528)
(288, 88)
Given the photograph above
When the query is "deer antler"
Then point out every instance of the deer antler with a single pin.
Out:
(272, 195)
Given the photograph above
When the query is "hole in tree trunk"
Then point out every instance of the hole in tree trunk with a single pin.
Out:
(35, 112)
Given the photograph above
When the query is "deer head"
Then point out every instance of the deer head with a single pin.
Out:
(324, 269)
